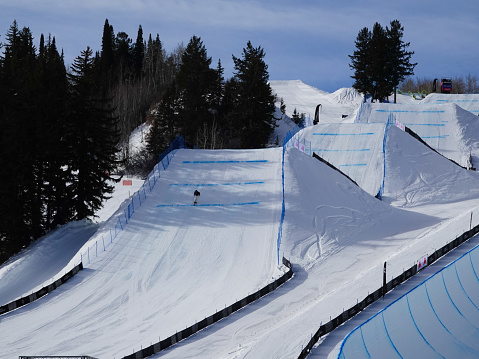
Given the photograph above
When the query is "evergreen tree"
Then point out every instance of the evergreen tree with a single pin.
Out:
(380, 61)
(107, 55)
(52, 99)
(196, 83)
(361, 62)
(298, 118)
(229, 124)
(255, 102)
(93, 135)
(124, 52)
(378, 75)
(400, 64)
(138, 52)
(21, 217)
(164, 128)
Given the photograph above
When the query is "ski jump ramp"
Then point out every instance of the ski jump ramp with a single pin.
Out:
(446, 127)
(355, 149)
(469, 102)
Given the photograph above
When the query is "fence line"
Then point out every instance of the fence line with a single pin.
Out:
(178, 336)
(371, 298)
(40, 293)
(119, 222)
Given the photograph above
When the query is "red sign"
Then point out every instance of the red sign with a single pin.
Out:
(422, 263)
(127, 182)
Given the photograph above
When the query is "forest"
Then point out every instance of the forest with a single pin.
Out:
(64, 131)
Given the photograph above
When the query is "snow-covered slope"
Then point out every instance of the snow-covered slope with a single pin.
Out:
(304, 98)
(356, 149)
(415, 175)
(469, 102)
(175, 263)
(447, 128)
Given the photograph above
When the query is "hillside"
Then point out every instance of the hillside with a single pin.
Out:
(174, 263)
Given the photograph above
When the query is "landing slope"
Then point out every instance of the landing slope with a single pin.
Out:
(415, 175)
(173, 264)
(337, 237)
(356, 149)
(469, 102)
(447, 128)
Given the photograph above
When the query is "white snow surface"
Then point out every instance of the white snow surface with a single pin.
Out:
(304, 98)
(448, 128)
(174, 263)
(469, 102)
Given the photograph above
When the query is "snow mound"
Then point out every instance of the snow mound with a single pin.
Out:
(305, 98)
(348, 96)
(327, 213)
(447, 128)
(469, 102)
(354, 148)
(417, 175)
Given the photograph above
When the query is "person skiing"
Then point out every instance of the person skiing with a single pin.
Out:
(197, 194)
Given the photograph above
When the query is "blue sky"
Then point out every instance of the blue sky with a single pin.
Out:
(308, 40)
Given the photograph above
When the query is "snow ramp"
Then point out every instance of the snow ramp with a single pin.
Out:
(469, 102)
(354, 148)
(437, 319)
(416, 175)
(449, 129)
(172, 265)
(304, 98)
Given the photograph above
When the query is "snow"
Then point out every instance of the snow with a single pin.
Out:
(175, 263)
(447, 128)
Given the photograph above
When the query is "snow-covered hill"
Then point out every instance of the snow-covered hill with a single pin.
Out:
(175, 263)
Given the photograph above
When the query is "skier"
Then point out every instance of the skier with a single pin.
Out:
(197, 194)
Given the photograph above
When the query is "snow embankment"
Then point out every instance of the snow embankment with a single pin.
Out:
(416, 175)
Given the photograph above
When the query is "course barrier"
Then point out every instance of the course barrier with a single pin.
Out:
(40, 293)
(118, 223)
(185, 333)
(371, 298)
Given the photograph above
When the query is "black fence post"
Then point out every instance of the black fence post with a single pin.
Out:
(384, 280)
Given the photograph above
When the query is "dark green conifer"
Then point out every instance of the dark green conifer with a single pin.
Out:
(94, 137)
(255, 102)
(195, 81)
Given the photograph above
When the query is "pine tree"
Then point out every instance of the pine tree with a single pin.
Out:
(164, 128)
(380, 61)
(53, 88)
(94, 137)
(138, 52)
(196, 82)
(361, 62)
(21, 217)
(255, 102)
(400, 64)
(107, 55)
(378, 75)
(298, 118)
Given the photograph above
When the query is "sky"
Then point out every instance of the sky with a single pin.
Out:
(303, 40)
